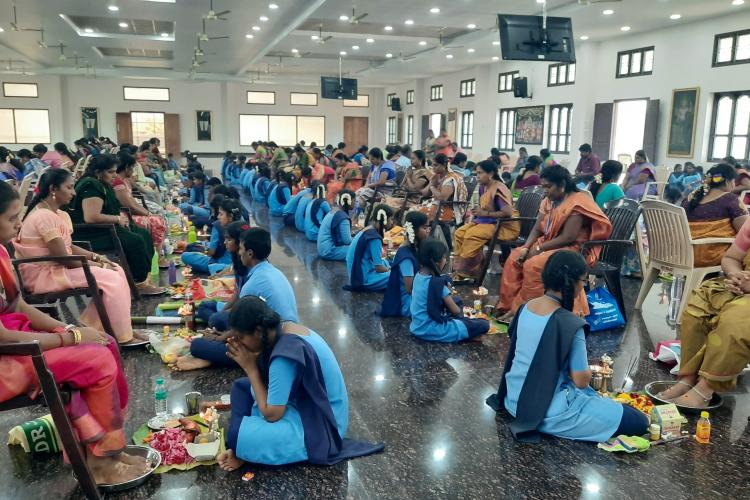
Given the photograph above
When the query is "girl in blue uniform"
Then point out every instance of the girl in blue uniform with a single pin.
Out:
(260, 183)
(216, 258)
(397, 298)
(364, 260)
(435, 314)
(316, 210)
(290, 209)
(545, 383)
(280, 195)
(304, 201)
(294, 390)
(197, 204)
(335, 233)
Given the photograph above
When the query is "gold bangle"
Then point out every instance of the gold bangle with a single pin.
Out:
(95, 257)
(76, 336)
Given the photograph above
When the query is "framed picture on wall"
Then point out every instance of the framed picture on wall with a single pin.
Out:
(90, 122)
(203, 124)
(682, 122)
(530, 125)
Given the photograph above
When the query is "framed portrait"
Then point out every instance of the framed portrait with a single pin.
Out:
(530, 125)
(682, 122)
(90, 122)
(203, 124)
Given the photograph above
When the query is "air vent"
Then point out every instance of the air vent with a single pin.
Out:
(111, 26)
(140, 53)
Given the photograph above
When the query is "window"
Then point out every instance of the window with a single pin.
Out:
(732, 48)
(467, 129)
(729, 129)
(285, 130)
(362, 101)
(468, 88)
(410, 129)
(303, 99)
(24, 126)
(561, 74)
(389, 100)
(254, 97)
(436, 93)
(20, 89)
(505, 81)
(638, 62)
(391, 131)
(409, 97)
(506, 129)
(147, 125)
(145, 94)
(560, 118)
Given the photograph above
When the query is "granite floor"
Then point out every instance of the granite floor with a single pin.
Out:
(426, 402)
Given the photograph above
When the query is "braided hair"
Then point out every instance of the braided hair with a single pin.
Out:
(715, 177)
(611, 171)
(561, 274)
(233, 208)
(414, 220)
(249, 314)
(54, 177)
(381, 214)
(431, 252)
(320, 190)
(345, 199)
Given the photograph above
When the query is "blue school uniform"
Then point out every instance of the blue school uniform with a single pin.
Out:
(270, 284)
(365, 253)
(221, 259)
(334, 236)
(259, 189)
(425, 327)
(290, 209)
(397, 301)
(196, 204)
(279, 197)
(299, 213)
(314, 214)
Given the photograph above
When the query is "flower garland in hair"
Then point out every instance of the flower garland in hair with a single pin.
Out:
(410, 234)
(381, 215)
(598, 179)
(344, 199)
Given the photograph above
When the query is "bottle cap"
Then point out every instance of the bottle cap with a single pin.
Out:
(704, 414)
(159, 380)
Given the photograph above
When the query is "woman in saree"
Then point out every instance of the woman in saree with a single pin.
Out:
(86, 359)
(713, 211)
(294, 390)
(47, 231)
(495, 202)
(67, 159)
(155, 224)
(567, 219)
(446, 187)
(348, 176)
(417, 179)
(639, 173)
(715, 333)
(382, 177)
(529, 176)
(742, 182)
(96, 203)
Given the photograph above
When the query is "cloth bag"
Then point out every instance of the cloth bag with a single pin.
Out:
(605, 314)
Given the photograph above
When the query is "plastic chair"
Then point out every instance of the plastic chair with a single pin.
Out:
(670, 250)
(471, 184)
(648, 193)
(625, 160)
(54, 399)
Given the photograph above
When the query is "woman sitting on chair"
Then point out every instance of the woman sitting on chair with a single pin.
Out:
(604, 187)
(348, 176)
(84, 358)
(449, 189)
(96, 203)
(364, 260)
(382, 177)
(335, 233)
(529, 176)
(567, 219)
(715, 333)
(640, 172)
(417, 179)
(713, 211)
(46, 231)
(495, 202)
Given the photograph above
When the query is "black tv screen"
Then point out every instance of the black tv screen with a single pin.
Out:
(524, 38)
(333, 87)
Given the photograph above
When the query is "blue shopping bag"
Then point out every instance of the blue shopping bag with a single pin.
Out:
(605, 314)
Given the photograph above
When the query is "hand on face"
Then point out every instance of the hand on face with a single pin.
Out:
(243, 356)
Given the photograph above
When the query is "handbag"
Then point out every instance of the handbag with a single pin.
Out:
(605, 313)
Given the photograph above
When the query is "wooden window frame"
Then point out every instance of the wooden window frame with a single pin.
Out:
(510, 134)
(467, 139)
(467, 88)
(630, 54)
(557, 133)
(410, 130)
(409, 97)
(567, 81)
(389, 100)
(735, 35)
(269, 115)
(436, 89)
(712, 136)
(391, 132)
(502, 76)
(169, 94)
(247, 97)
(15, 132)
(36, 86)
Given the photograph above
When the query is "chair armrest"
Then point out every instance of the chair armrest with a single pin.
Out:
(94, 225)
(21, 349)
(711, 241)
(601, 243)
(61, 259)
(86, 245)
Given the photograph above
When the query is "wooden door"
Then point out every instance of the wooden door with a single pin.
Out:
(124, 128)
(651, 128)
(171, 134)
(356, 133)
(425, 129)
(601, 142)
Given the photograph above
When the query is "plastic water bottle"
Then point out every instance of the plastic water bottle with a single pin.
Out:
(172, 273)
(160, 398)
(155, 266)
(361, 220)
(192, 236)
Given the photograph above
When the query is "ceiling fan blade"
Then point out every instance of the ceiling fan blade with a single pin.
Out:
(327, 38)
(360, 17)
(219, 14)
(218, 37)
(453, 47)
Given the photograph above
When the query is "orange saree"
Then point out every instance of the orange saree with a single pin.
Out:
(523, 283)
(348, 177)
(710, 255)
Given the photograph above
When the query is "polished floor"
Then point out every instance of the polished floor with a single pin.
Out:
(426, 402)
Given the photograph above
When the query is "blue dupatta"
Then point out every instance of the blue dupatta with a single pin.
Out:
(338, 217)
(392, 299)
(314, 209)
(436, 309)
(357, 279)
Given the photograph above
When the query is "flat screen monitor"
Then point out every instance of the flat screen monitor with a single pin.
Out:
(333, 87)
(524, 38)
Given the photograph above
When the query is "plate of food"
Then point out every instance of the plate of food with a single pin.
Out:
(160, 422)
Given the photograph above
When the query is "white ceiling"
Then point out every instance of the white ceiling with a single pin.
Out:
(160, 37)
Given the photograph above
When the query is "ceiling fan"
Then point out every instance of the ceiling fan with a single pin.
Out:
(301, 54)
(216, 16)
(404, 58)
(442, 43)
(355, 19)
(322, 40)
(9, 63)
(14, 25)
(41, 43)
(203, 36)
(281, 63)
(77, 60)
(589, 2)
(198, 50)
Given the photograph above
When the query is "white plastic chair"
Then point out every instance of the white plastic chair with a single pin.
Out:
(670, 250)
(81, 167)
(660, 187)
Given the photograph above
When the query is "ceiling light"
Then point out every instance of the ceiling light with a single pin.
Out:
(343, 18)
(256, 28)
(1, 29)
(164, 35)
(471, 26)
(342, 53)
(584, 37)
(608, 12)
(470, 51)
(495, 58)
(355, 47)
(540, 1)
(249, 35)
(496, 42)
(738, 2)
(449, 56)
(389, 55)
(370, 40)
(88, 30)
(113, 8)
(294, 51)
(625, 28)
(422, 43)
(675, 17)
(273, 6)
(263, 18)
(388, 28)
(123, 24)
(314, 37)
(409, 22)
(435, 10)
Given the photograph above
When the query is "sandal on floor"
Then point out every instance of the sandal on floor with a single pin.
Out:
(151, 291)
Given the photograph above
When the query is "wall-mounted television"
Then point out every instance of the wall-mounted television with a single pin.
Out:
(333, 87)
(525, 38)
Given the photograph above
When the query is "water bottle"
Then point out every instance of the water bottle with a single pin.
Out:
(192, 236)
(172, 273)
(155, 266)
(361, 220)
(160, 398)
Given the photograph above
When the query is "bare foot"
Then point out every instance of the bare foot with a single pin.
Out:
(693, 399)
(506, 318)
(108, 470)
(681, 387)
(187, 363)
(140, 335)
(229, 462)
(146, 289)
